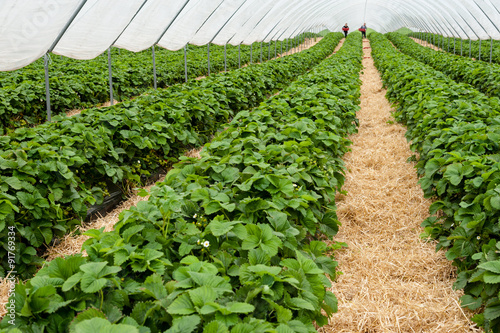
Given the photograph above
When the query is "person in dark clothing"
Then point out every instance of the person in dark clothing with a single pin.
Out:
(345, 29)
(363, 30)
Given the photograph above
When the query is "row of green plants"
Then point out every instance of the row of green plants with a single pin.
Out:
(483, 76)
(52, 173)
(77, 84)
(455, 131)
(463, 47)
(231, 242)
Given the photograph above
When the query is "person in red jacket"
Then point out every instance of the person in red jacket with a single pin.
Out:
(345, 29)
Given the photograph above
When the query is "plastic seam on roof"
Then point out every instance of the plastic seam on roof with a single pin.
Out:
(208, 17)
(172, 22)
(63, 31)
(487, 16)
(227, 21)
(133, 17)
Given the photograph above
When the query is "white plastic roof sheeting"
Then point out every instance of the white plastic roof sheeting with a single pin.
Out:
(83, 29)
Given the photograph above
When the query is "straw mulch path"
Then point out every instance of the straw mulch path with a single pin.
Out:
(392, 281)
(426, 44)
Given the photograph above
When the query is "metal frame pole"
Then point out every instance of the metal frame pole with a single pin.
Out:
(470, 48)
(461, 49)
(275, 52)
(111, 99)
(225, 58)
(268, 51)
(185, 63)
(47, 88)
(260, 52)
(281, 52)
(154, 68)
(454, 49)
(491, 49)
(251, 53)
(239, 55)
(479, 48)
(208, 58)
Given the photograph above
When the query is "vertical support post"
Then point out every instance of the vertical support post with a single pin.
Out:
(454, 49)
(448, 38)
(491, 49)
(47, 88)
(461, 48)
(281, 52)
(260, 52)
(251, 53)
(208, 58)
(154, 68)
(275, 52)
(185, 63)
(110, 72)
(479, 48)
(225, 58)
(268, 51)
(239, 55)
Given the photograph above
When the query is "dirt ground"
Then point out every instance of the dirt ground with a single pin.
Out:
(392, 280)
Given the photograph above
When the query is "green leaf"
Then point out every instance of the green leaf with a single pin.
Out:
(492, 311)
(491, 266)
(202, 295)
(491, 278)
(301, 303)
(185, 324)
(471, 302)
(182, 305)
(238, 307)
(91, 285)
(215, 327)
(219, 227)
(72, 281)
(98, 325)
(86, 315)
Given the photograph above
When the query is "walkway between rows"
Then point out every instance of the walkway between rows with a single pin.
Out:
(392, 281)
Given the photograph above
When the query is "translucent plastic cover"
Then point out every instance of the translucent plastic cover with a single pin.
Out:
(83, 29)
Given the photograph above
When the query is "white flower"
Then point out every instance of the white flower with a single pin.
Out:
(294, 185)
(139, 162)
(195, 215)
(453, 224)
(198, 242)
(206, 243)
(478, 238)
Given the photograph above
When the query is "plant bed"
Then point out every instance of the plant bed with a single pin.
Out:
(227, 242)
(51, 174)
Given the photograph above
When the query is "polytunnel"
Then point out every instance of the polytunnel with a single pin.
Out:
(83, 29)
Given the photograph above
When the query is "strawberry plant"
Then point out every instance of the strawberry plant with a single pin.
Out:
(76, 84)
(227, 243)
(50, 174)
(455, 131)
(483, 76)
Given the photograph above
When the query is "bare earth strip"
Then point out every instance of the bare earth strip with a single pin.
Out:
(392, 281)
(426, 44)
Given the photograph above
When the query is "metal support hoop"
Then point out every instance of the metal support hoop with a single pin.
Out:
(154, 68)
(47, 88)
(239, 55)
(208, 58)
(225, 58)
(185, 63)
(110, 72)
